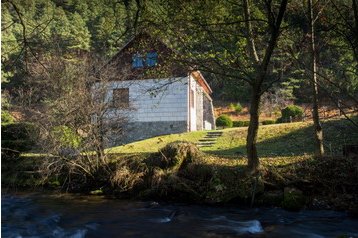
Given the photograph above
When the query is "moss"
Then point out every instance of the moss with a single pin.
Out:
(174, 156)
(271, 198)
(96, 192)
(293, 199)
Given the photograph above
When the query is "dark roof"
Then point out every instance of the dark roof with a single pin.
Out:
(168, 63)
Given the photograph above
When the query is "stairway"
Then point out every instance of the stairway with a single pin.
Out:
(209, 139)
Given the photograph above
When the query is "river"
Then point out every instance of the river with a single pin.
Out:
(48, 215)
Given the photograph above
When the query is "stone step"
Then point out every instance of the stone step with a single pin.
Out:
(205, 143)
(214, 133)
(208, 139)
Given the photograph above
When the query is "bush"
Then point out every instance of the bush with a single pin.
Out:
(236, 107)
(268, 122)
(290, 112)
(6, 117)
(279, 120)
(241, 123)
(18, 136)
(67, 136)
(224, 121)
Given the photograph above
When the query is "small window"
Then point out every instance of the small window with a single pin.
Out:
(137, 61)
(191, 99)
(120, 98)
(151, 59)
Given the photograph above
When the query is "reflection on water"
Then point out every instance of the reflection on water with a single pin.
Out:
(36, 215)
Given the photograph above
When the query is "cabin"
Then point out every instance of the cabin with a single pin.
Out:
(156, 93)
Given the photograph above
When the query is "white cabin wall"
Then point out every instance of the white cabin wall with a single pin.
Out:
(192, 110)
(155, 99)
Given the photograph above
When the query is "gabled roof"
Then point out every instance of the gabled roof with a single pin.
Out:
(142, 34)
(124, 55)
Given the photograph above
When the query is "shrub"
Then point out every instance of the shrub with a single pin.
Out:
(67, 136)
(241, 123)
(290, 112)
(224, 121)
(6, 117)
(279, 120)
(18, 136)
(236, 107)
(268, 122)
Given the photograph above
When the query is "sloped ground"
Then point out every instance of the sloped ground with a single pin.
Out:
(288, 139)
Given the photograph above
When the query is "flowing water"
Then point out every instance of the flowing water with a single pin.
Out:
(39, 215)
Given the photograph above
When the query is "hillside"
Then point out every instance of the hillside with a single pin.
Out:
(286, 139)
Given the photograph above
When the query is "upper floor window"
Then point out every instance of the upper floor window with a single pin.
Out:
(120, 98)
(151, 59)
(137, 61)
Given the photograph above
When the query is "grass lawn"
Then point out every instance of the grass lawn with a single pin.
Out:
(279, 140)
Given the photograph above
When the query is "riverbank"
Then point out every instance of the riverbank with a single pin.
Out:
(184, 174)
(181, 172)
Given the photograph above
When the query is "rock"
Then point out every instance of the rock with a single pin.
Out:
(320, 204)
(293, 199)
(353, 211)
(272, 198)
(68, 152)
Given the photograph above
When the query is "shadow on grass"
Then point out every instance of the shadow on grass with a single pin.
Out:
(299, 142)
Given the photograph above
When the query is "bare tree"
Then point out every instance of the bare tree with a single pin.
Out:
(76, 117)
(319, 149)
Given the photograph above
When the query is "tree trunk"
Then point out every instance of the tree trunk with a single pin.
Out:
(319, 150)
(261, 69)
(355, 30)
(251, 140)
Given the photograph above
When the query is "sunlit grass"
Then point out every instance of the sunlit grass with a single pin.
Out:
(155, 143)
(279, 140)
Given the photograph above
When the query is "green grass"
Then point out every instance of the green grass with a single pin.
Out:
(155, 143)
(279, 140)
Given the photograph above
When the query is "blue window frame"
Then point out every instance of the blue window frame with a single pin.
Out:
(137, 61)
(151, 59)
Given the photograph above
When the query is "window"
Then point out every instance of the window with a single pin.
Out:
(120, 98)
(151, 59)
(137, 61)
(191, 99)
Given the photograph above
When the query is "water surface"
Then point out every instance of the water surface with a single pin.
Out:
(44, 215)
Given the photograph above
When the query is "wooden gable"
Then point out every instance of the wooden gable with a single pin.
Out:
(167, 63)
(158, 60)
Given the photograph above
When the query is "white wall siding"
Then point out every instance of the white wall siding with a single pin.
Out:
(192, 119)
(155, 99)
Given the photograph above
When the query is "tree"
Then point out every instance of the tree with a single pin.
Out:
(71, 109)
(319, 149)
(262, 67)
